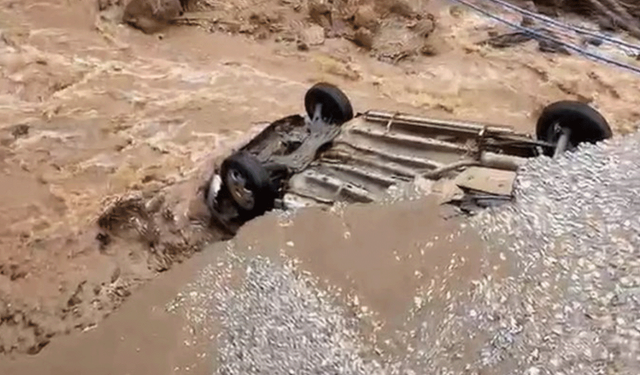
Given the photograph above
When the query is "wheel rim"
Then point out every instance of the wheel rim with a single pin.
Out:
(319, 114)
(327, 109)
(554, 133)
(237, 185)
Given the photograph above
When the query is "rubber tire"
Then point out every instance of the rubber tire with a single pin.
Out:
(335, 103)
(586, 124)
(258, 182)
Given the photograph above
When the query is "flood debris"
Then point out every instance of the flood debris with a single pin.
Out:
(513, 39)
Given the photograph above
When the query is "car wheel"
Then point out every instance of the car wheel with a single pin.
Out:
(248, 184)
(335, 105)
(584, 124)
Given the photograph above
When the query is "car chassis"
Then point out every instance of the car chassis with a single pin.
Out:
(330, 155)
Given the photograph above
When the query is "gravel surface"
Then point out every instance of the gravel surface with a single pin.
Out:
(279, 322)
(560, 292)
(275, 320)
(571, 305)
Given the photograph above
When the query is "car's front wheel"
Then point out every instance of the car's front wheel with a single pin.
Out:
(248, 184)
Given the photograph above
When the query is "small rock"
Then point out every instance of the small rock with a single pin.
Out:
(151, 16)
(594, 41)
(424, 27)
(530, 6)
(428, 49)
(313, 36)
(302, 46)
(105, 4)
(402, 8)
(527, 21)
(287, 36)
(365, 16)
(320, 12)
(247, 28)
(606, 24)
(363, 38)
(456, 11)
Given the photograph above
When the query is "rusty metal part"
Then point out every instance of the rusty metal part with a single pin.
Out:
(437, 124)
(412, 140)
(501, 161)
(467, 128)
(439, 172)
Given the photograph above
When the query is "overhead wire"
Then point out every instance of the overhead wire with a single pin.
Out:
(540, 35)
(577, 29)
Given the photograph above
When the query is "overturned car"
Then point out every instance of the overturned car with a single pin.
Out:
(330, 154)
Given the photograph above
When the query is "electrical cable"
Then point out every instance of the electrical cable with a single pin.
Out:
(577, 29)
(570, 46)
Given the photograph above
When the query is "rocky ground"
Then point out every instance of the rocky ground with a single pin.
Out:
(390, 30)
(102, 123)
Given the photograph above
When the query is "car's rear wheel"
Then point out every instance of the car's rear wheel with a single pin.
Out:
(248, 184)
(578, 120)
(334, 105)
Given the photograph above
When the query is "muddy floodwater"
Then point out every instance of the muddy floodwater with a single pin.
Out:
(101, 124)
(378, 270)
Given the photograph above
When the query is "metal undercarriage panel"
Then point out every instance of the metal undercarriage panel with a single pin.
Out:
(370, 156)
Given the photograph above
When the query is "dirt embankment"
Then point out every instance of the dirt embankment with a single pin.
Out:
(611, 15)
(391, 29)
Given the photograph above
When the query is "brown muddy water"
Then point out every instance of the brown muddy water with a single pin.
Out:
(91, 111)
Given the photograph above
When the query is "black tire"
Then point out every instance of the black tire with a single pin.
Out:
(257, 181)
(336, 107)
(586, 124)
